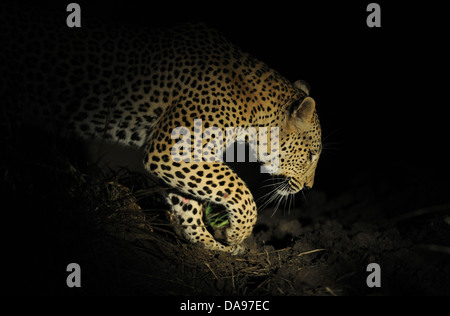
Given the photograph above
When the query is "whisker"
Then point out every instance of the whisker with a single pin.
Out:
(293, 201)
(329, 146)
(278, 185)
(270, 199)
(269, 193)
(273, 178)
(273, 196)
(286, 198)
(290, 198)
(276, 206)
(333, 132)
(304, 198)
(269, 185)
(280, 197)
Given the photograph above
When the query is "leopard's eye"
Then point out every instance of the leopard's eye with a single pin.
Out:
(312, 155)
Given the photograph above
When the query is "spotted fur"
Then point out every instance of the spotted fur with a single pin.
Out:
(135, 86)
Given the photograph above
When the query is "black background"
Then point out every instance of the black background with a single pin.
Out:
(380, 92)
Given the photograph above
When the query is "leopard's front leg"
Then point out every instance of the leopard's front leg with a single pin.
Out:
(184, 153)
(188, 214)
(209, 181)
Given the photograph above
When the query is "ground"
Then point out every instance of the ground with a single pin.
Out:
(116, 227)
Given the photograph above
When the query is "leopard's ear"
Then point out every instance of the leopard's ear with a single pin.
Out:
(302, 85)
(305, 110)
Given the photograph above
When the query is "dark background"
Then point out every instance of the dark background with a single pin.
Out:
(380, 92)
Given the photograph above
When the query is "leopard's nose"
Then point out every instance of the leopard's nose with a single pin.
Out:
(306, 187)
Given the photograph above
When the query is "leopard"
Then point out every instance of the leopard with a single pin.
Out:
(135, 85)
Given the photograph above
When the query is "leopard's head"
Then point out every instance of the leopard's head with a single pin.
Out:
(300, 146)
